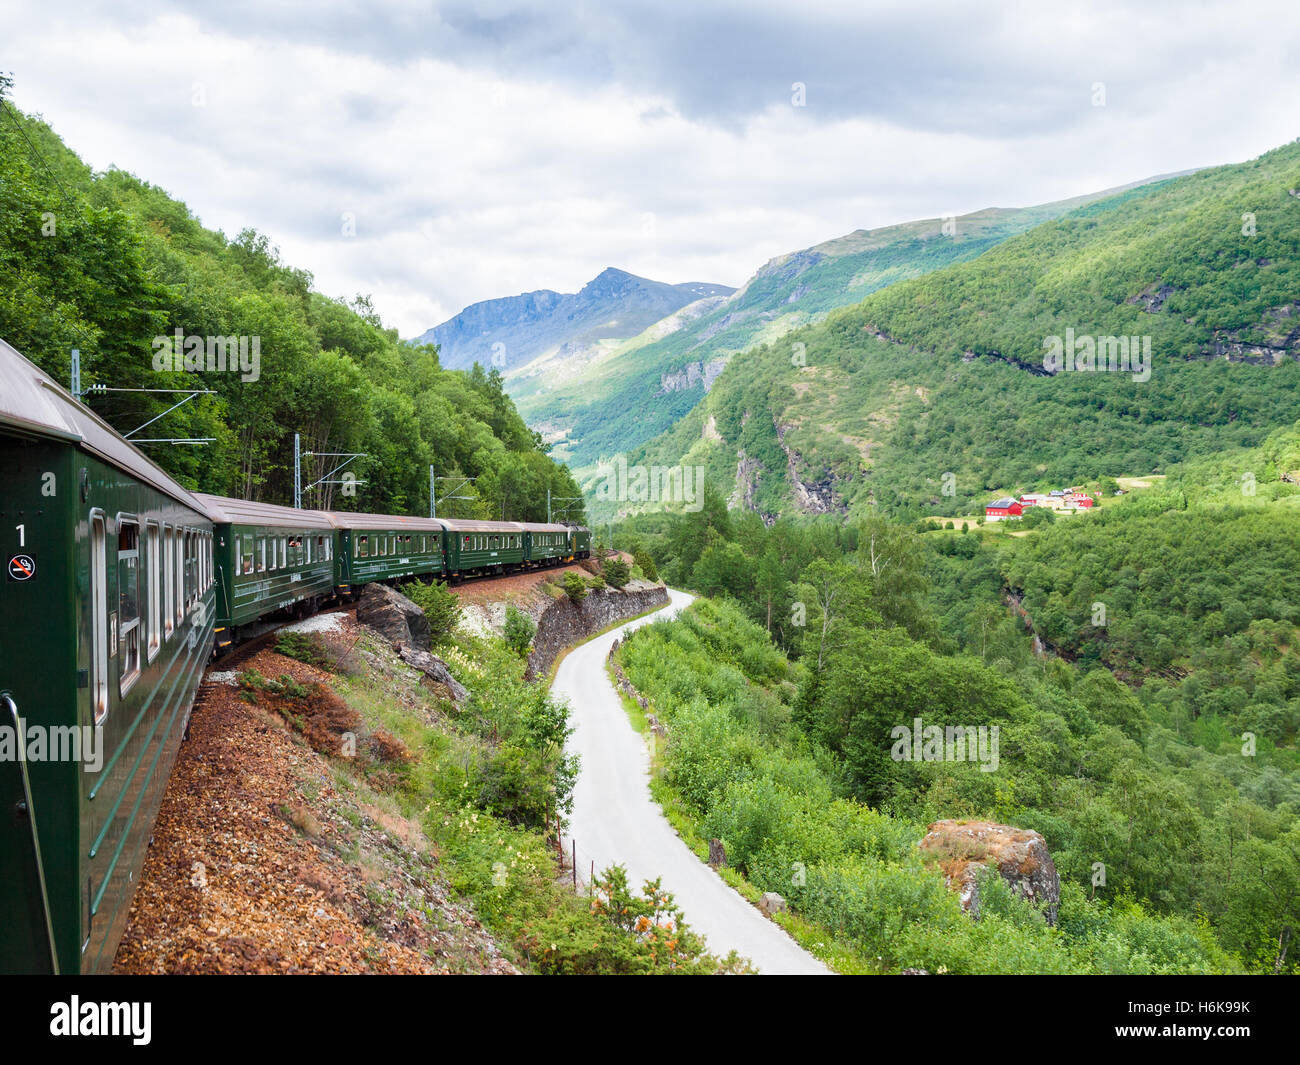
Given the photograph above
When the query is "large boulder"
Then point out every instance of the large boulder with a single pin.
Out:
(392, 615)
(963, 848)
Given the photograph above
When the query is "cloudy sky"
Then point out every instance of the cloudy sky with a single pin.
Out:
(436, 154)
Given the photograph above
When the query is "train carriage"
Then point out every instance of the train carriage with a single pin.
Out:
(479, 547)
(268, 559)
(580, 541)
(386, 547)
(106, 612)
(546, 544)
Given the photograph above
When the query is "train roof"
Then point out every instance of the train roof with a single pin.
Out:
(31, 401)
(346, 519)
(538, 526)
(474, 525)
(222, 509)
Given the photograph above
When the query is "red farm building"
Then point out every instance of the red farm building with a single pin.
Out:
(1001, 509)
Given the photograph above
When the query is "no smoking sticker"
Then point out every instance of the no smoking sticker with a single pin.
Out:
(22, 567)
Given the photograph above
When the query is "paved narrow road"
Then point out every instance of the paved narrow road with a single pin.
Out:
(615, 819)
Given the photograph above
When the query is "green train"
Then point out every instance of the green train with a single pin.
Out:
(106, 623)
(120, 586)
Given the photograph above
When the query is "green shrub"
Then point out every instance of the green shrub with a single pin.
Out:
(575, 587)
(519, 631)
(617, 572)
(646, 564)
(302, 646)
(440, 605)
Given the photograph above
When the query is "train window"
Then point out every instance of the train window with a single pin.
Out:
(363, 546)
(168, 591)
(192, 569)
(322, 552)
(98, 618)
(245, 553)
(153, 590)
(178, 576)
(128, 602)
(261, 555)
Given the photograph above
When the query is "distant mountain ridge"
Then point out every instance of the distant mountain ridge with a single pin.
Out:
(622, 395)
(514, 330)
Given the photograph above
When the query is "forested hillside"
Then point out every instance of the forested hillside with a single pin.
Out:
(944, 375)
(105, 262)
(1152, 733)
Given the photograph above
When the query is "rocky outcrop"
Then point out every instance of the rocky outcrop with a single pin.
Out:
(1152, 298)
(393, 616)
(563, 623)
(436, 674)
(690, 375)
(812, 497)
(772, 903)
(747, 474)
(963, 849)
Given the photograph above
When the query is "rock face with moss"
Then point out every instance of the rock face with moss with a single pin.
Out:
(964, 849)
(563, 622)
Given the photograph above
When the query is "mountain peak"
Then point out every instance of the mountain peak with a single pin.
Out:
(511, 331)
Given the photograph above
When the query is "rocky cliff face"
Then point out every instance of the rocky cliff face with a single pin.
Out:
(690, 375)
(563, 623)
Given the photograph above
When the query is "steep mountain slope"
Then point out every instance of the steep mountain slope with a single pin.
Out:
(932, 393)
(626, 394)
(509, 332)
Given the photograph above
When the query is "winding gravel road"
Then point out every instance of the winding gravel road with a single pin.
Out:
(615, 819)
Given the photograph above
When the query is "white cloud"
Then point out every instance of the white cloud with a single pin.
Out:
(477, 164)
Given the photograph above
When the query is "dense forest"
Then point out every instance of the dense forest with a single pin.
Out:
(1151, 733)
(105, 263)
